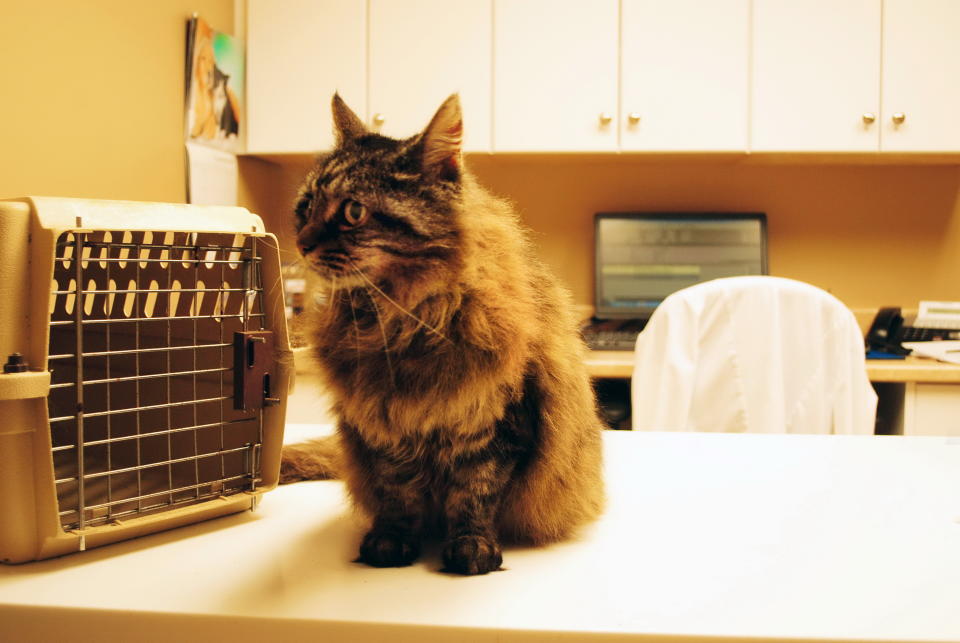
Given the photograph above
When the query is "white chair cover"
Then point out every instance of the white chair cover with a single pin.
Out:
(752, 354)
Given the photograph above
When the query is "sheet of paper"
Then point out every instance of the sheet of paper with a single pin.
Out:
(211, 176)
(945, 351)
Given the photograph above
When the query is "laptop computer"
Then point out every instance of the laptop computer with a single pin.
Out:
(641, 257)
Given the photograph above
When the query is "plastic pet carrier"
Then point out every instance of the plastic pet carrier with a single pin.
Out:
(146, 367)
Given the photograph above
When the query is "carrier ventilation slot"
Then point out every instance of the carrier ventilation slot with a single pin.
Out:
(142, 329)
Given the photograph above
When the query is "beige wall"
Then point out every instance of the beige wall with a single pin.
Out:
(92, 96)
(269, 189)
(873, 235)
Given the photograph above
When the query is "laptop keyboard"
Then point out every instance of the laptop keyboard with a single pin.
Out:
(612, 335)
(611, 340)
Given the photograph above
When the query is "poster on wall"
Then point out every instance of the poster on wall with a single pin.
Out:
(215, 87)
(213, 122)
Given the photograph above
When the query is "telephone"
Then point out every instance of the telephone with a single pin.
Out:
(935, 321)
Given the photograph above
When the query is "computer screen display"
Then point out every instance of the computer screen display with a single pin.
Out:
(642, 258)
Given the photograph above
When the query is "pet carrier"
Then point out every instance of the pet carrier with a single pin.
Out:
(147, 367)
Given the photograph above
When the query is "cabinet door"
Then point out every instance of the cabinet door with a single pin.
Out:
(299, 53)
(931, 409)
(684, 75)
(816, 74)
(555, 75)
(921, 76)
(423, 51)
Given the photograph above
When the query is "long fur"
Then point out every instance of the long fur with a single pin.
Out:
(451, 352)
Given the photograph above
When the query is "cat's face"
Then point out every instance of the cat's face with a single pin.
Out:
(220, 80)
(383, 210)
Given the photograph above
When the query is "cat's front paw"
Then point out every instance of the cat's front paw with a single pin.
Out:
(471, 554)
(388, 549)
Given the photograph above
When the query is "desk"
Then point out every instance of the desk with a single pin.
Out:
(619, 364)
(917, 395)
(706, 535)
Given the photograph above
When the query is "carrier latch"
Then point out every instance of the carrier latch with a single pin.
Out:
(252, 368)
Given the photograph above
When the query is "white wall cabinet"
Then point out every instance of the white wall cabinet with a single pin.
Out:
(632, 75)
(684, 75)
(921, 76)
(555, 75)
(299, 52)
(420, 53)
(856, 76)
(816, 75)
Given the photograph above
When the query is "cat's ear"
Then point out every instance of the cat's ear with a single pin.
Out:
(347, 125)
(442, 142)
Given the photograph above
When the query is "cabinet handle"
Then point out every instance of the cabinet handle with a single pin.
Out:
(898, 118)
(378, 119)
(869, 117)
(605, 118)
(633, 117)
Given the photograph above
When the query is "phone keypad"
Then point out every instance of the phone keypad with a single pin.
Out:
(912, 334)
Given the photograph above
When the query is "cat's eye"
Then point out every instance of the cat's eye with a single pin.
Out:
(354, 213)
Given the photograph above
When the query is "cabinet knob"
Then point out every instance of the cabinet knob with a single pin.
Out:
(605, 118)
(869, 117)
(898, 118)
(633, 117)
(378, 119)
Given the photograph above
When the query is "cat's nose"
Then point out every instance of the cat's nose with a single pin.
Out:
(306, 247)
(307, 240)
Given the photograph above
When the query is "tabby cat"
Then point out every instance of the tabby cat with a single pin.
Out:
(452, 355)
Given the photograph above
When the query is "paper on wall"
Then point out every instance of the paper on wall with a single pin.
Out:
(211, 176)
(213, 113)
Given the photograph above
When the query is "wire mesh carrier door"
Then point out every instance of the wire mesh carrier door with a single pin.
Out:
(147, 367)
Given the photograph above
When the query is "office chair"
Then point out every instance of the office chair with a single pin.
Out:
(752, 354)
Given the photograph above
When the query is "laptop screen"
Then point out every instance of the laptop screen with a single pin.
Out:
(643, 257)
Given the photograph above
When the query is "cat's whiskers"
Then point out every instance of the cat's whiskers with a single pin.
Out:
(356, 326)
(279, 282)
(289, 257)
(396, 305)
(383, 333)
(298, 260)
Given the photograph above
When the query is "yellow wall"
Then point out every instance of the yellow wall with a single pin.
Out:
(269, 189)
(92, 96)
(873, 235)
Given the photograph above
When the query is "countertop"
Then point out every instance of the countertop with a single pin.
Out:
(706, 535)
(619, 364)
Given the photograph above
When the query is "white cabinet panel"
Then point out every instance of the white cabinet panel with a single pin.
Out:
(423, 51)
(555, 71)
(299, 53)
(921, 75)
(932, 409)
(566, 76)
(684, 75)
(816, 72)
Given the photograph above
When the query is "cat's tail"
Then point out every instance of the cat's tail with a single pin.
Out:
(317, 459)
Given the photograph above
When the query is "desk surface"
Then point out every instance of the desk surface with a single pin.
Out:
(804, 537)
(619, 364)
